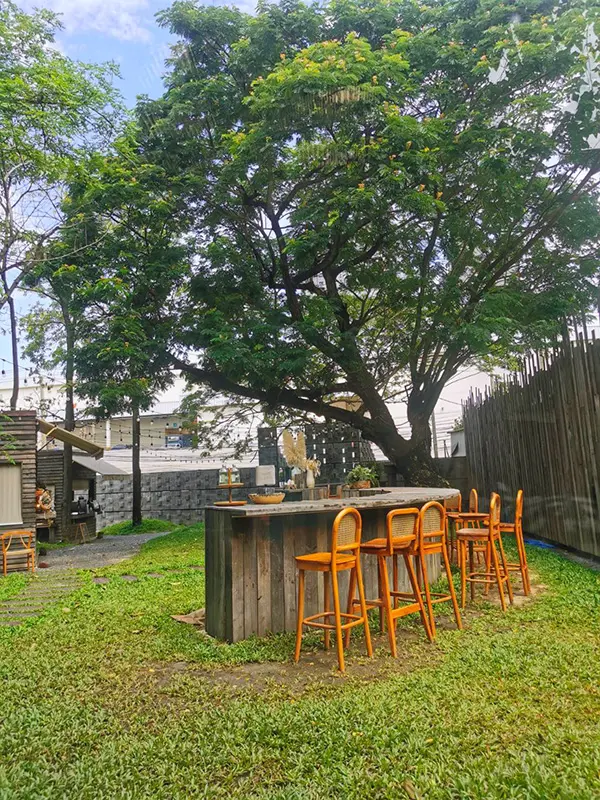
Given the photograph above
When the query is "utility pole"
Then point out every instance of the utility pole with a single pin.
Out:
(434, 436)
(136, 516)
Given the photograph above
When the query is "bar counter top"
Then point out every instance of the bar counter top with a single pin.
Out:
(386, 498)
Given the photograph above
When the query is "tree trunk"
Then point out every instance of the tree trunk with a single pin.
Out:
(136, 516)
(418, 467)
(69, 425)
(14, 346)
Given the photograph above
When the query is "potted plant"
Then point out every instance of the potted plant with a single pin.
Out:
(362, 477)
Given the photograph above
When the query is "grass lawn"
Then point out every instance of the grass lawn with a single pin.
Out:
(146, 526)
(105, 696)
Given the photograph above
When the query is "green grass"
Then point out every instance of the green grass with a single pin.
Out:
(146, 526)
(95, 701)
(11, 585)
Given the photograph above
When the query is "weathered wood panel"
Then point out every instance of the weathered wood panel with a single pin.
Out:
(251, 576)
(540, 431)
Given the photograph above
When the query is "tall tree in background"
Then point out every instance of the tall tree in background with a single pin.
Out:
(52, 110)
(126, 286)
(377, 195)
(50, 330)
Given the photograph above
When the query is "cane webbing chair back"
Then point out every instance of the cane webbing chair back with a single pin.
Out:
(473, 501)
(402, 523)
(495, 508)
(519, 511)
(433, 524)
(453, 503)
(347, 531)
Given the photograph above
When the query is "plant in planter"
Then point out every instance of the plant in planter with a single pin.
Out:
(362, 477)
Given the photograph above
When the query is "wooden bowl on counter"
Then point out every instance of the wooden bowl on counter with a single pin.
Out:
(267, 499)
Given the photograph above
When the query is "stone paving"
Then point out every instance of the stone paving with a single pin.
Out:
(44, 589)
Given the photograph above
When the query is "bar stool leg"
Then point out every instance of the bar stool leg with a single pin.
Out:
(339, 644)
(418, 596)
(497, 574)
(451, 588)
(463, 573)
(423, 571)
(488, 568)
(380, 589)
(350, 606)
(505, 568)
(523, 564)
(363, 606)
(386, 606)
(327, 608)
(300, 615)
(471, 569)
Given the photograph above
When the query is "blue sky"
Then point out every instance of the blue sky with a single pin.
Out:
(123, 31)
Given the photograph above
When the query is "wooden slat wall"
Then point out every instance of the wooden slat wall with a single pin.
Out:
(21, 428)
(251, 575)
(540, 431)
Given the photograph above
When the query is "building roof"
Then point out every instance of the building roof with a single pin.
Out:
(54, 432)
(98, 465)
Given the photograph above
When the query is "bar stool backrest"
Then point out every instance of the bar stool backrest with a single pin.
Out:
(347, 531)
(432, 527)
(453, 503)
(402, 522)
(495, 508)
(473, 501)
(519, 512)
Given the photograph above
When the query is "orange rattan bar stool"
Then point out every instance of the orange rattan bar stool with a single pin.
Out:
(496, 567)
(432, 541)
(345, 554)
(402, 529)
(17, 543)
(517, 529)
(452, 506)
(474, 519)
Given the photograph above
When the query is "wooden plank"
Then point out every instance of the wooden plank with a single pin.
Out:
(250, 581)
(277, 622)
(264, 576)
(234, 559)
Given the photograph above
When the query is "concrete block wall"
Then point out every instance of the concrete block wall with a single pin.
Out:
(179, 497)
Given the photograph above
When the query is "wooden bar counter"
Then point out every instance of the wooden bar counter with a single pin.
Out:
(250, 569)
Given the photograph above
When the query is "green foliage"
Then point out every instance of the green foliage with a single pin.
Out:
(139, 705)
(362, 473)
(147, 526)
(365, 196)
(53, 111)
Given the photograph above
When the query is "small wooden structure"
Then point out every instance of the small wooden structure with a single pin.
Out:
(251, 576)
(18, 440)
(50, 473)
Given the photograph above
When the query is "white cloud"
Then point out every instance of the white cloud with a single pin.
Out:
(123, 19)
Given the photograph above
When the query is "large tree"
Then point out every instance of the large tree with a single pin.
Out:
(379, 194)
(52, 110)
(121, 304)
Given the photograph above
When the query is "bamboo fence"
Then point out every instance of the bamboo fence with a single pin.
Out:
(540, 431)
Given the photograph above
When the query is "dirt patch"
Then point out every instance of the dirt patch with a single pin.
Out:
(317, 668)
